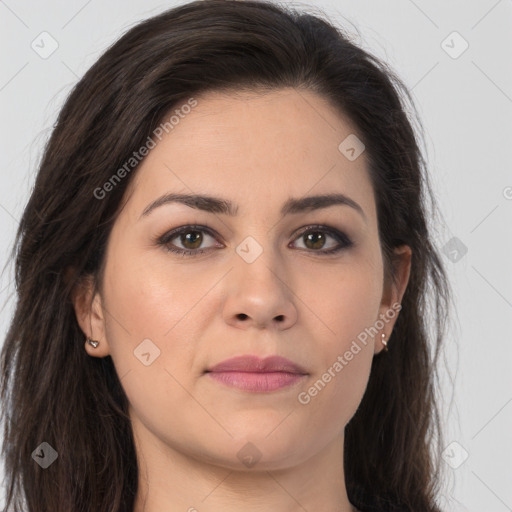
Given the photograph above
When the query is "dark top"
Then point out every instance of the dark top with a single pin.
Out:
(365, 502)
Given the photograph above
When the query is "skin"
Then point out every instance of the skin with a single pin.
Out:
(256, 150)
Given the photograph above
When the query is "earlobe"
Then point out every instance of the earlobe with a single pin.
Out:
(95, 348)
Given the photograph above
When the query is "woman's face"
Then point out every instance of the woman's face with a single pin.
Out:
(255, 280)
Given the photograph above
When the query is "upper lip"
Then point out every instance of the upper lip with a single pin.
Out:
(256, 364)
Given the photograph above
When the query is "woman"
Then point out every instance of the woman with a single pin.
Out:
(223, 274)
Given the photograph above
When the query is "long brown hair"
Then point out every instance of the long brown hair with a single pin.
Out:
(53, 392)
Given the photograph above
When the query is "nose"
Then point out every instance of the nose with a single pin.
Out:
(259, 297)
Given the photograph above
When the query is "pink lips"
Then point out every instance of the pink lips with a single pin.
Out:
(250, 373)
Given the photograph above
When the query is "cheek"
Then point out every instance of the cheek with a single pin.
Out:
(166, 304)
(343, 300)
(348, 307)
(155, 312)
(151, 298)
(336, 388)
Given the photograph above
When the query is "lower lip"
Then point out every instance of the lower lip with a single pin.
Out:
(257, 381)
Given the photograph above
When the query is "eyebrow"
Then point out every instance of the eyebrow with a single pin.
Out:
(217, 205)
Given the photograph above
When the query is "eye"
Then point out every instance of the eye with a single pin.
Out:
(191, 239)
(315, 238)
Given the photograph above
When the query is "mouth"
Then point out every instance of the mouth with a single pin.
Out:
(257, 381)
(250, 373)
(254, 364)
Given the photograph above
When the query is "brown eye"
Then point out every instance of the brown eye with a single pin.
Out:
(191, 239)
(324, 240)
(314, 239)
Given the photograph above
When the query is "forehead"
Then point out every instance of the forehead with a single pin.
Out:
(255, 146)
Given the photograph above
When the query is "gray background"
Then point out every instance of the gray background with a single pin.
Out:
(465, 103)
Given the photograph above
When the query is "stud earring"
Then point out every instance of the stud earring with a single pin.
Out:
(94, 343)
(384, 342)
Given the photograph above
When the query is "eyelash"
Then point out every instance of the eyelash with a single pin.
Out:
(339, 236)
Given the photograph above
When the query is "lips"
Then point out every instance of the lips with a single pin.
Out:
(252, 374)
(254, 364)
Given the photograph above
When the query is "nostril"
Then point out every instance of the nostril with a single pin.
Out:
(279, 318)
(242, 316)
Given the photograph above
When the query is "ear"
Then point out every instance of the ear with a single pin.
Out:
(90, 316)
(393, 292)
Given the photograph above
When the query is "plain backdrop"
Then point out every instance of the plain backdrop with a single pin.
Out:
(455, 57)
